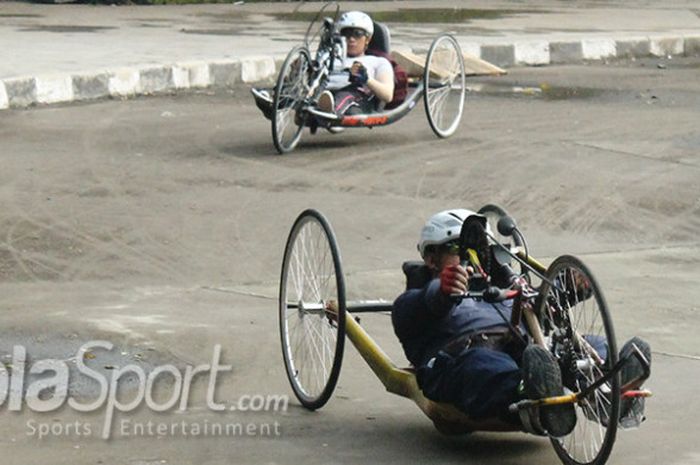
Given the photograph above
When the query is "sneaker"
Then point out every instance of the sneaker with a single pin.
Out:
(326, 102)
(632, 369)
(542, 378)
(632, 409)
(263, 100)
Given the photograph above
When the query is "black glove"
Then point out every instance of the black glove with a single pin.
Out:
(358, 74)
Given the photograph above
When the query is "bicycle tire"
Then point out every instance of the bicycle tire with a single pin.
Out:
(312, 336)
(290, 93)
(575, 317)
(444, 85)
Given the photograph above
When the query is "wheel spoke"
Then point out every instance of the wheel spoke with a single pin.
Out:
(576, 306)
(445, 86)
(311, 341)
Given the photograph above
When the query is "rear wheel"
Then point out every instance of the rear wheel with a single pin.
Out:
(312, 309)
(579, 332)
(493, 213)
(445, 85)
(290, 94)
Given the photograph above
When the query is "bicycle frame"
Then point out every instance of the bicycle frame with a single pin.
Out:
(402, 382)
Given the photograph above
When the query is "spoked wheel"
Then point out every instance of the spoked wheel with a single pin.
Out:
(445, 85)
(312, 309)
(493, 213)
(290, 93)
(579, 332)
(319, 28)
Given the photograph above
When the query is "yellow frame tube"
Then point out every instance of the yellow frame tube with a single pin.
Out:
(531, 261)
(402, 382)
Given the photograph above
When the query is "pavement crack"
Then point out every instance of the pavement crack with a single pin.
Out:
(674, 355)
(633, 154)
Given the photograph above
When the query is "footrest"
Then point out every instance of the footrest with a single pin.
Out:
(636, 393)
(556, 400)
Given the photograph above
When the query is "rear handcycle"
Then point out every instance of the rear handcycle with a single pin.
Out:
(293, 103)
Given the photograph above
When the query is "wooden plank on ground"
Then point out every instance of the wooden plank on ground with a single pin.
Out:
(473, 66)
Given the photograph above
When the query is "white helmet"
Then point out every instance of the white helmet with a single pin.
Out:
(356, 19)
(444, 227)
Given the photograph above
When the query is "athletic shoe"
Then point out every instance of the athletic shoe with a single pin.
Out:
(326, 102)
(542, 378)
(633, 369)
(263, 100)
(632, 410)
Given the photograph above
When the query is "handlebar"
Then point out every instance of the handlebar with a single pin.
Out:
(494, 294)
(491, 294)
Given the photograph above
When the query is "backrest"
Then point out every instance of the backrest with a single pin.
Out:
(381, 39)
(417, 274)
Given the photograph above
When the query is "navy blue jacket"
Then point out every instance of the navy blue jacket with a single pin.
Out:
(425, 320)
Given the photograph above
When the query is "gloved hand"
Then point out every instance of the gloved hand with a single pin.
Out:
(453, 280)
(358, 74)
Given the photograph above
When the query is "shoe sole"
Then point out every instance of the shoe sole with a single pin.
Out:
(633, 368)
(558, 420)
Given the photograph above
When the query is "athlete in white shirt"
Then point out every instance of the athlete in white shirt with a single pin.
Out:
(361, 79)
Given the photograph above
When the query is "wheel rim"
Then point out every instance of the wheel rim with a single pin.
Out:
(444, 85)
(314, 37)
(582, 308)
(290, 92)
(493, 213)
(312, 335)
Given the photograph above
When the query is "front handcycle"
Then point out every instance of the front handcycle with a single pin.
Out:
(561, 307)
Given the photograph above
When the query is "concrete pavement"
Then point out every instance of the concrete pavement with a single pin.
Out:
(65, 53)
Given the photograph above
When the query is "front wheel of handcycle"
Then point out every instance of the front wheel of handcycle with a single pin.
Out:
(312, 309)
(578, 330)
(444, 85)
(290, 93)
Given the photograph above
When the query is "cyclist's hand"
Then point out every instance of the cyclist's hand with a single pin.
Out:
(358, 74)
(453, 279)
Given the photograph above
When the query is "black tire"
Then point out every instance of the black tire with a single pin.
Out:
(312, 335)
(493, 213)
(445, 85)
(574, 317)
(290, 93)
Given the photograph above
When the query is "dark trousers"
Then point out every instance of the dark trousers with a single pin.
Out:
(481, 382)
(352, 101)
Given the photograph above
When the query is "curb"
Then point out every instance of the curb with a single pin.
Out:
(21, 92)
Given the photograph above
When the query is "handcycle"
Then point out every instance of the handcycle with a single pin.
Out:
(306, 69)
(566, 313)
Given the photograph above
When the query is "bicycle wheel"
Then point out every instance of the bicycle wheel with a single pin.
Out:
(290, 93)
(445, 85)
(493, 213)
(579, 332)
(319, 30)
(312, 309)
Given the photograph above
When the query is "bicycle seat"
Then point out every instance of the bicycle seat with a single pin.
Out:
(381, 39)
(417, 274)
